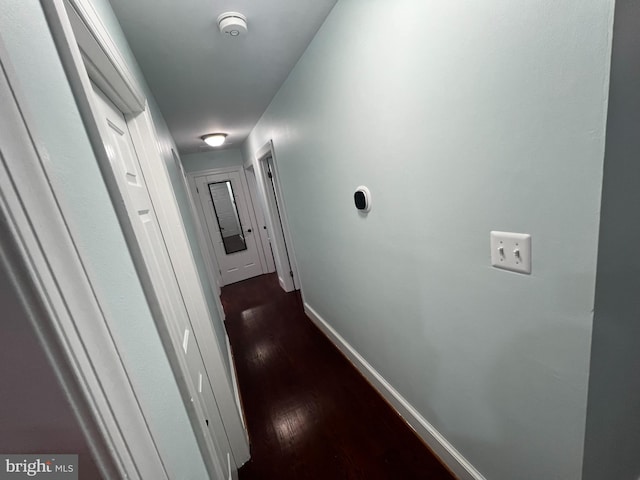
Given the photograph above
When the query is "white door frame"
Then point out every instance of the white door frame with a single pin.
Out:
(252, 182)
(208, 251)
(284, 253)
(213, 268)
(101, 60)
(39, 253)
(211, 263)
(174, 233)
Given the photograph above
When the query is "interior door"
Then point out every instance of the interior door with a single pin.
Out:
(283, 254)
(231, 231)
(263, 231)
(131, 183)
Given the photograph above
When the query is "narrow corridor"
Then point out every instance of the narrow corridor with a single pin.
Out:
(310, 413)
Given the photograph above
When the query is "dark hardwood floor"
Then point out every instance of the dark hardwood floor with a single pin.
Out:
(310, 413)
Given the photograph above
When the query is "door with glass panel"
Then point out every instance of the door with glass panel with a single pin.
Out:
(229, 226)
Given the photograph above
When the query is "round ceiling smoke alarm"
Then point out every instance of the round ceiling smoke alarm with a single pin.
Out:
(232, 24)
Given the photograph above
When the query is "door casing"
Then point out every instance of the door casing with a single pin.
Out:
(39, 253)
(277, 222)
(260, 218)
(206, 244)
(86, 52)
(154, 244)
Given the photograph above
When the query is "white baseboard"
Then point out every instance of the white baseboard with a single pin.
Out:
(440, 446)
(221, 312)
(236, 391)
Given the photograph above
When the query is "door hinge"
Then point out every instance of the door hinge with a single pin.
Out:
(291, 273)
(270, 175)
(197, 190)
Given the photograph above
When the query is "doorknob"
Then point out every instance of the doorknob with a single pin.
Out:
(249, 231)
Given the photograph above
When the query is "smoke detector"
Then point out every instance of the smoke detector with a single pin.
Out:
(232, 24)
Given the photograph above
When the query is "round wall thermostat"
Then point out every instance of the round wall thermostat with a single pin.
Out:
(362, 199)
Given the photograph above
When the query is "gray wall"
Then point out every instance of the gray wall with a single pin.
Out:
(195, 162)
(613, 424)
(62, 138)
(461, 117)
(36, 416)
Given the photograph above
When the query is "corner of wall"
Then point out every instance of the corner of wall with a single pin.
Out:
(612, 434)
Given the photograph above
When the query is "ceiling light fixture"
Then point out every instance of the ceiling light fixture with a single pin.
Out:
(232, 24)
(215, 139)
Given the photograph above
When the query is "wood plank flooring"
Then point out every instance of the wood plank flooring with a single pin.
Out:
(310, 414)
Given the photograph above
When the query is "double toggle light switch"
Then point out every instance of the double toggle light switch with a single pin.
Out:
(511, 251)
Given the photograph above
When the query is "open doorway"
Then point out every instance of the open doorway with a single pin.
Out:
(275, 212)
(258, 209)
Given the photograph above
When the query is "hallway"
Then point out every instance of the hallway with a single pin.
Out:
(309, 412)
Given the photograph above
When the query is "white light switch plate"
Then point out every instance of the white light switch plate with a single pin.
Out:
(511, 251)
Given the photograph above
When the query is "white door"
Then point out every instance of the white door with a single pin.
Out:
(125, 164)
(263, 231)
(231, 229)
(282, 251)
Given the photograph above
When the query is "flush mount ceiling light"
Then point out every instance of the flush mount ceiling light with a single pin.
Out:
(232, 24)
(214, 139)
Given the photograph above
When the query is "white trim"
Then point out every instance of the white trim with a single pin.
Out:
(205, 240)
(236, 390)
(434, 439)
(211, 265)
(252, 182)
(211, 262)
(103, 61)
(38, 250)
(266, 258)
(215, 171)
(122, 85)
(144, 137)
(281, 241)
